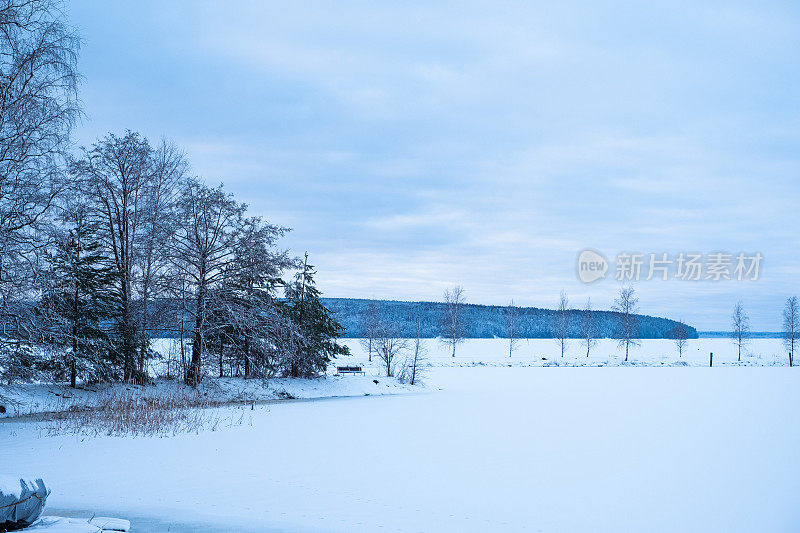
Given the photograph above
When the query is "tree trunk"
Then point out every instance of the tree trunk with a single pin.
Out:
(221, 351)
(73, 374)
(193, 376)
(143, 340)
(73, 371)
(128, 333)
(246, 357)
(197, 344)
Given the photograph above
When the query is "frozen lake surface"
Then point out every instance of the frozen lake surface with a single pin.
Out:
(485, 448)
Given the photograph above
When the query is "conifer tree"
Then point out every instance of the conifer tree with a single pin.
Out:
(318, 327)
(80, 301)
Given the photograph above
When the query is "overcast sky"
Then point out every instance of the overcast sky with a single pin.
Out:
(413, 147)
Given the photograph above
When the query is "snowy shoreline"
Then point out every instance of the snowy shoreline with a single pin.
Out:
(49, 399)
(37, 402)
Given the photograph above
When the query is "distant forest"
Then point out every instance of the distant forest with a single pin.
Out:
(489, 321)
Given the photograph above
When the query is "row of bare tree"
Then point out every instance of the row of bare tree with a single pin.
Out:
(626, 308)
(740, 324)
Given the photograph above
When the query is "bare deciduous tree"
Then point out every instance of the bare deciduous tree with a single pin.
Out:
(512, 319)
(588, 327)
(626, 307)
(390, 347)
(681, 336)
(740, 322)
(791, 320)
(204, 244)
(561, 322)
(168, 167)
(453, 320)
(370, 319)
(414, 369)
(38, 108)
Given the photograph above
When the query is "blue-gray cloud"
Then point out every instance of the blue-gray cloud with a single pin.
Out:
(413, 146)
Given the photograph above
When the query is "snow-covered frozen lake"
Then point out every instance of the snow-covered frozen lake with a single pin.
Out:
(484, 448)
(652, 352)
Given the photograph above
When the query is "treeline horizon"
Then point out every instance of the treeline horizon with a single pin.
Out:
(482, 321)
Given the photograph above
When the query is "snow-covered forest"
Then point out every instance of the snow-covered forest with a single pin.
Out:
(487, 321)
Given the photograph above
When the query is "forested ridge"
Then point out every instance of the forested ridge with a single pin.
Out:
(488, 321)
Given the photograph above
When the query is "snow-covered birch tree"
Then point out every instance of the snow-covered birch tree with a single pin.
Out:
(588, 327)
(626, 305)
(512, 327)
(680, 336)
(740, 328)
(561, 322)
(791, 321)
(453, 326)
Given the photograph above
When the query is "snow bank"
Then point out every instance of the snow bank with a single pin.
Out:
(57, 524)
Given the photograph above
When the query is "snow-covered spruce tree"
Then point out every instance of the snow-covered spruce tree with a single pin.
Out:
(626, 307)
(317, 326)
(740, 328)
(78, 300)
(258, 269)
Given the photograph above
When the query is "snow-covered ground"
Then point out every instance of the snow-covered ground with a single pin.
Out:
(487, 448)
(547, 352)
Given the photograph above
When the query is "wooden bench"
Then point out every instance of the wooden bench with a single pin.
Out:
(349, 370)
